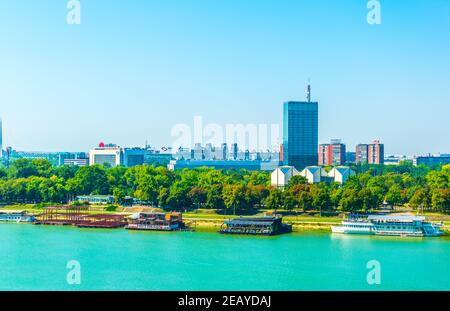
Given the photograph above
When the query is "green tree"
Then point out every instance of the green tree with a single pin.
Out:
(351, 201)
(274, 200)
(234, 197)
(22, 168)
(297, 180)
(90, 180)
(441, 200)
(198, 196)
(394, 195)
(214, 197)
(369, 200)
(119, 195)
(320, 198)
(421, 198)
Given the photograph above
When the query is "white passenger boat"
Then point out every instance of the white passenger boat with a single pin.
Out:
(16, 217)
(389, 225)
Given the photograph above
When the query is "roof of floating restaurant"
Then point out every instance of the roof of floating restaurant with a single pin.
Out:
(238, 222)
(252, 221)
(396, 218)
(102, 216)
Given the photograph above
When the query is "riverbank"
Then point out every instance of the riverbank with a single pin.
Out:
(214, 224)
(212, 220)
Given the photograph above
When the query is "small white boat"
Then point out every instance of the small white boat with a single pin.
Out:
(389, 225)
(16, 217)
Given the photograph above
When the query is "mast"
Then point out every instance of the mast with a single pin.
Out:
(308, 92)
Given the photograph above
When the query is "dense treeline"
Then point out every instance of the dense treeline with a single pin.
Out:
(36, 181)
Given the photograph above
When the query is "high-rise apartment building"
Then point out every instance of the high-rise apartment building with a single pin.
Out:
(362, 153)
(333, 153)
(370, 153)
(300, 133)
(376, 153)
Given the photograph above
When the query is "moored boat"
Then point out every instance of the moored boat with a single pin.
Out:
(156, 221)
(389, 225)
(16, 217)
(268, 225)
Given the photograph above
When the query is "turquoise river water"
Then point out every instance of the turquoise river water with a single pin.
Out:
(36, 257)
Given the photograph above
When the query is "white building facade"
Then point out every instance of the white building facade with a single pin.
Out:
(111, 155)
(341, 174)
(281, 176)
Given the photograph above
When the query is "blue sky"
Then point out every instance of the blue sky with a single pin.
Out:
(133, 69)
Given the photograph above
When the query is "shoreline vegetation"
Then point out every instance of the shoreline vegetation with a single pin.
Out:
(207, 196)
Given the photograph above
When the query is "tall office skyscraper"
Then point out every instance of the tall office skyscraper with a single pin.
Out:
(301, 133)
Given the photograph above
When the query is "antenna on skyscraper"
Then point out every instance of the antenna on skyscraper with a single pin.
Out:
(308, 91)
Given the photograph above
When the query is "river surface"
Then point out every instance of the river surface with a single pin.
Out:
(36, 257)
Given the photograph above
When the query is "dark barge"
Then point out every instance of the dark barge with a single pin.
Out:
(156, 221)
(267, 225)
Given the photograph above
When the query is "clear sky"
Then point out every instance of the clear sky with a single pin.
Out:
(133, 69)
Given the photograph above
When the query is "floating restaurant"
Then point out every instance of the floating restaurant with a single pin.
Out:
(156, 221)
(268, 225)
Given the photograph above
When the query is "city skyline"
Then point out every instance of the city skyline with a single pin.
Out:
(163, 66)
(165, 149)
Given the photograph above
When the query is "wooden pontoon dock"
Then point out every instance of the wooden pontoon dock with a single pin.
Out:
(79, 217)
